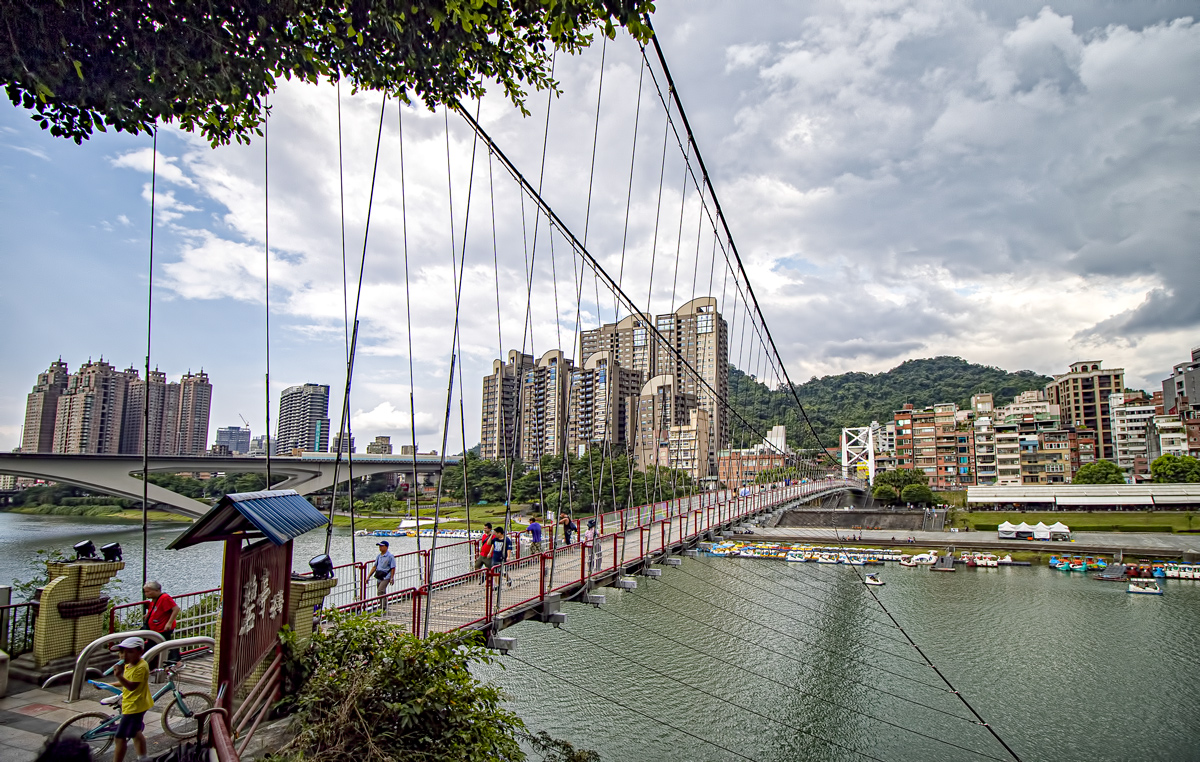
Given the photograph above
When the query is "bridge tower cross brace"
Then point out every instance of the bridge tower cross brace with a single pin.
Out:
(858, 452)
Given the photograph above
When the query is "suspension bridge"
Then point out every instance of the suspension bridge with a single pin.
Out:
(693, 250)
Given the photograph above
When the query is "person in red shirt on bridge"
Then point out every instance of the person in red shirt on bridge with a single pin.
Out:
(162, 613)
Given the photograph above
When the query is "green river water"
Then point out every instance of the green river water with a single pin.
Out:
(1062, 666)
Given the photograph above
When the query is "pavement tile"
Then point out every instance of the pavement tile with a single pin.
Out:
(10, 719)
(16, 753)
(34, 710)
(21, 739)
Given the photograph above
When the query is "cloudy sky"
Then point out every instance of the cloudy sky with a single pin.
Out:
(1012, 183)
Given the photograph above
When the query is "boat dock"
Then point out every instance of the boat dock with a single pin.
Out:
(1140, 544)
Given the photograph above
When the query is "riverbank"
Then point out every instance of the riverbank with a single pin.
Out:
(1141, 545)
(102, 512)
(1085, 521)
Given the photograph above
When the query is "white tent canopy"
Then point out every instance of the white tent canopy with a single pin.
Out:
(1007, 531)
(1041, 531)
(1059, 528)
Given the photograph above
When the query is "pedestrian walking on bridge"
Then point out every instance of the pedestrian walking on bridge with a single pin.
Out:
(162, 613)
(385, 571)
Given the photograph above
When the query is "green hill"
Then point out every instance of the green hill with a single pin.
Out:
(856, 399)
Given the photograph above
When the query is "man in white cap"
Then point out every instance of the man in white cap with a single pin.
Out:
(385, 571)
(134, 676)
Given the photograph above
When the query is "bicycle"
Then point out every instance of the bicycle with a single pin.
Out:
(179, 719)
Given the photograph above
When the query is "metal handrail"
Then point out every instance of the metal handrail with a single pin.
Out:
(79, 673)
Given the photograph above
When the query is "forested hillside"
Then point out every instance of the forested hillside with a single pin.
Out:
(856, 399)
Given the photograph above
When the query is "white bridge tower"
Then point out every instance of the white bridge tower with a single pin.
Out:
(858, 452)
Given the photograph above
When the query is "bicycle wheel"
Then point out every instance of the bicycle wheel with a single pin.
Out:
(96, 729)
(180, 724)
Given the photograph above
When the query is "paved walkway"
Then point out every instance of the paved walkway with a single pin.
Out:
(1133, 543)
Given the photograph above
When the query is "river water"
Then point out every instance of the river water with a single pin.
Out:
(780, 662)
(786, 662)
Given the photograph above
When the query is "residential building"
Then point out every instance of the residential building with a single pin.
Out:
(1051, 455)
(220, 450)
(1166, 435)
(236, 438)
(303, 419)
(41, 408)
(1027, 404)
(1183, 387)
(652, 413)
(91, 411)
(258, 445)
(1131, 414)
(1082, 397)
(984, 433)
(598, 404)
(542, 424)
(195, 404)
(930, 440)
(381, 446)
(694, 351)
(687, 445)
(336, 443)
(499, 425)
(163, 401)
(741, 467)
(699, 362)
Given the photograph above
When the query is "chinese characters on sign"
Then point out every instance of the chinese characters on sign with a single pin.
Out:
(257, 601)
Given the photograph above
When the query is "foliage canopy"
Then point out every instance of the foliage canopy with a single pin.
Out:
(917, 494)
(856, 399)
(901, 478)
(1175, 469)
(1100, 472)
(885, 494)
(209, 66)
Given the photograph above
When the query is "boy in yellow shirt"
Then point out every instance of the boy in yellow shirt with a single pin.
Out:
(134, 677)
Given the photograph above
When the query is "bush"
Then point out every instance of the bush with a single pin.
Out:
(917, 493)
(374, 694)
(885, 494)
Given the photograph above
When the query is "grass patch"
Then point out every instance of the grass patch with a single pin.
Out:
(108, 512)
(1085, 521)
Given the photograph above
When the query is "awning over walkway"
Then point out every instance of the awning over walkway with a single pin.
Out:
(278, 515)
(1071, 495)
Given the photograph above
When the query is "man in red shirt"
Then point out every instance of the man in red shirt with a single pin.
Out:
(161, 615)
(484, 559)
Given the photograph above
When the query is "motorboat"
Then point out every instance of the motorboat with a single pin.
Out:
(943, 564)
(873, 580)
(1144, 587)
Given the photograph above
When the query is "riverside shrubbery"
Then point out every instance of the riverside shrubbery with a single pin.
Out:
(363, 691)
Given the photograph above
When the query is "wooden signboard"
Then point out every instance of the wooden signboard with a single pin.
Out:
(254, 604)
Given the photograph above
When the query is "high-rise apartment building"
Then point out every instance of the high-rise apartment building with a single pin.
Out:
(91, 411)
(163, 400)
(236, 438)
(694, 352)
(599, 404)
(1082, 398)
(195, 404)
(542, 425)
(41, 408)
(303, 419)
(652, 414)
(930, 440)
(335, 443)
(381, 446)
(498, 439)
